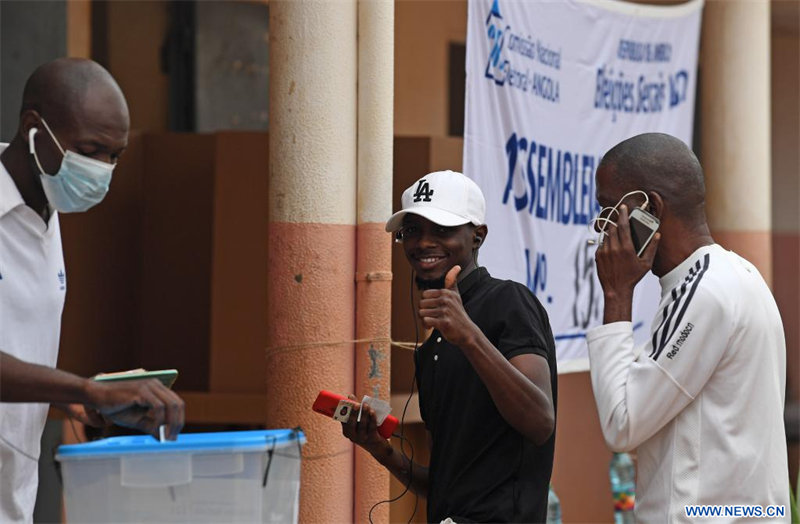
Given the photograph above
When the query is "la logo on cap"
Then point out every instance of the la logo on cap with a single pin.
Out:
(423, 192)
(459, 201)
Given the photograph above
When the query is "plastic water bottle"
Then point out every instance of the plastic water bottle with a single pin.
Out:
(553, 507)
(622, 474)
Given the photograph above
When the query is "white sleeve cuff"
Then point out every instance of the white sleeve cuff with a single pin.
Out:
(605, 330)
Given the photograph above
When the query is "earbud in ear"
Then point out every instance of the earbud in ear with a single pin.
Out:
(31, 133)
(479, 239)
(398, 236)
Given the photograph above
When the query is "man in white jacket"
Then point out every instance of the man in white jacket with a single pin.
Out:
(702, 401)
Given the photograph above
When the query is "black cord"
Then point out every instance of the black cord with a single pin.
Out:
(408, 485)
(401, 436)
(403, 440)
(410, 394)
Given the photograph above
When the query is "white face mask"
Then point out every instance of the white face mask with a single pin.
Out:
(607, 215)
(80, 183)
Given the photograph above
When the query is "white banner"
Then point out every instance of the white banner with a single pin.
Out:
(551, 86)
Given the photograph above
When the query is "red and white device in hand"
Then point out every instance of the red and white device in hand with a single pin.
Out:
(327, 403)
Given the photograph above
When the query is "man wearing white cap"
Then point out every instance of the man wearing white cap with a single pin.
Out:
(486, 374)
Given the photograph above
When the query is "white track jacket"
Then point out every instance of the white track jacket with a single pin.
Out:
(702, 402)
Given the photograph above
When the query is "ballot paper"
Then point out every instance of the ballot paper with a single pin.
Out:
(381, 408)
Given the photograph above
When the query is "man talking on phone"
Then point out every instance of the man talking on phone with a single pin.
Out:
(486, 374)
(702, 402)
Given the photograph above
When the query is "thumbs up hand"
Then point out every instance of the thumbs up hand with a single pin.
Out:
(442, 309)
(451, 278)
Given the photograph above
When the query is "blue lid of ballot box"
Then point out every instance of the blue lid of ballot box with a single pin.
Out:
(228, 441)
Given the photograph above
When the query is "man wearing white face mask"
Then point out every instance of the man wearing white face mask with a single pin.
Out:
(702, 401)
(73, 127)
(80, 183)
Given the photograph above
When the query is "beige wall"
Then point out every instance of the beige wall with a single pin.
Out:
(423, 30)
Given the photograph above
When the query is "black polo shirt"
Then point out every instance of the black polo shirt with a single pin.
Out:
(481, 468)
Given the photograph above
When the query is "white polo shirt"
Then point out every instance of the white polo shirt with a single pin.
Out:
(33, 284)
(702, 403)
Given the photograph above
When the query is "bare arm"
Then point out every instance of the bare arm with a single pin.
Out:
(520, 387)
(22, 381)
(365, 434)
(139, 404)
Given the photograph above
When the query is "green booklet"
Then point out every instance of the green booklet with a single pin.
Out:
(166, 376)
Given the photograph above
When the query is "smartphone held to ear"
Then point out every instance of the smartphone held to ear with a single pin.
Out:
(643, 226)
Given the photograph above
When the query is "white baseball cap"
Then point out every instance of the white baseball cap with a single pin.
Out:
(446, 198)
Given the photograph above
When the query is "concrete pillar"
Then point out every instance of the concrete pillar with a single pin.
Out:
(735, 102)
(373, 260)
(311, 251)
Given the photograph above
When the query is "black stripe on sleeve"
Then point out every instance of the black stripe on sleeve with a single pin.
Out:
(663, 319)
(676, 303)
(706, 261)
(671, 308)
(667, 313)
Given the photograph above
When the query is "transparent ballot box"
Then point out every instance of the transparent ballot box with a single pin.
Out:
(238, 476)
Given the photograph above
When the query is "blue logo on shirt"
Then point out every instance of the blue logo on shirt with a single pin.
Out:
(62, 279)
